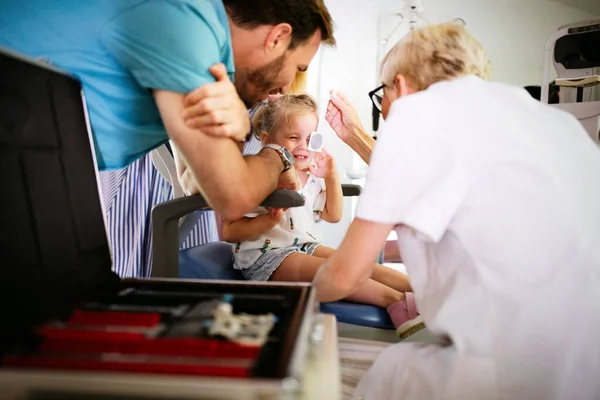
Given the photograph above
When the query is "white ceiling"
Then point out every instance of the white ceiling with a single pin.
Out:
(591, 6)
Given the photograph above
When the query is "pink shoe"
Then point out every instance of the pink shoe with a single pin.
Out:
(405, 316)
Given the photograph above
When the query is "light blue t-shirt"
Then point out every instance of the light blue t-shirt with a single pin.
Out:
(121, 50)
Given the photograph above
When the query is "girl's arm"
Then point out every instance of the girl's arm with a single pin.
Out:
(243, 229)
(334, 199)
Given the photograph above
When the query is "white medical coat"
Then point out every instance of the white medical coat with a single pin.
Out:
(497, 201)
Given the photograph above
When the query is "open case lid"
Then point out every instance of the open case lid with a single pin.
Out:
(53, 243)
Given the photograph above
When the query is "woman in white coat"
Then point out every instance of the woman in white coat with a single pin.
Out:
(495, 200)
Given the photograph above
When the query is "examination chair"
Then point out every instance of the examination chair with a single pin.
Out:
(215, 260)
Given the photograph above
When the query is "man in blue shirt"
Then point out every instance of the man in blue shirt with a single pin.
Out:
(137, 59)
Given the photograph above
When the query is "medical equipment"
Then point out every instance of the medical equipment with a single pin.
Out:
(574, 52)
(411, 14)
(413, 9)
(392, 27)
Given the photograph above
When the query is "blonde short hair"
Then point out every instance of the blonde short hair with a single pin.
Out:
(435, 53)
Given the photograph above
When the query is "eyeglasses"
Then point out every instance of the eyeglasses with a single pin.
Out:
(377, 99)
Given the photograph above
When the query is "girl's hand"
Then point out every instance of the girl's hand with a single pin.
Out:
(325, 165)
(276, 215)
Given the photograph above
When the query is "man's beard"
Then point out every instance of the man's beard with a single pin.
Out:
(255, 85)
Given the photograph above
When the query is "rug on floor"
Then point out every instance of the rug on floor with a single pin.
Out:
(356, 356)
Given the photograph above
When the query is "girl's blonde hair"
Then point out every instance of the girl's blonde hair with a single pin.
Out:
(274, 114)
(435, 53)
(298, 86)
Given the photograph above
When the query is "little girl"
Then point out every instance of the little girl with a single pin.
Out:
(284, 245)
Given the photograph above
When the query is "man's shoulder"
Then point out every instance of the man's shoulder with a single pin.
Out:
(202, 8)
(153, 12)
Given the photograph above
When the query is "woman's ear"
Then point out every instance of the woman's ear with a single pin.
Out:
(402, 86)
(264, 136)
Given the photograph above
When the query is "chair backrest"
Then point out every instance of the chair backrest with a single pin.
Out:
(165, 164)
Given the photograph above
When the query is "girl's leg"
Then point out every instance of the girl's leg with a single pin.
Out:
(387, 276)
(392, 278)
(300, 267)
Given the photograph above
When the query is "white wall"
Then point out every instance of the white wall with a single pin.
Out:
(513, 32)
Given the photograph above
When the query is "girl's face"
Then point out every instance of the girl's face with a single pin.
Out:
(295, 135)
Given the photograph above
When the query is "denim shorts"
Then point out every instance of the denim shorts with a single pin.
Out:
(267, 263)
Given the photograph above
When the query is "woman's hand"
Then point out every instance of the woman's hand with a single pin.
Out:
(342, 117)
(216, 108)
(325, 165)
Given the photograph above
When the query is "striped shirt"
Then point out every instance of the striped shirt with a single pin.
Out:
(129, 195)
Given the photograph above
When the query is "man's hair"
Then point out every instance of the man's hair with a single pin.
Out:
(304, 16)
(435, 53)
(274, 114)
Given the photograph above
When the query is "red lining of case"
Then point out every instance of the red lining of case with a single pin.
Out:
(90, 341)
(114, 318)
(90, 334)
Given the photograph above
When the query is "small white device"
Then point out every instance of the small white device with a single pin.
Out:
(315, 142)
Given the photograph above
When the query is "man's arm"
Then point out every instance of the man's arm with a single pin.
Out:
(352, 264)
(231, 184)
(178, 59)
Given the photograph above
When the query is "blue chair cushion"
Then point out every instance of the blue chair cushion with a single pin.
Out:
(358, 314)
(209, 261)
(215, 261)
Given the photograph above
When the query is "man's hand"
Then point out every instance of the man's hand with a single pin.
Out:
(342, 117)
(325, 165)
(289, 180)
(216, 108)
